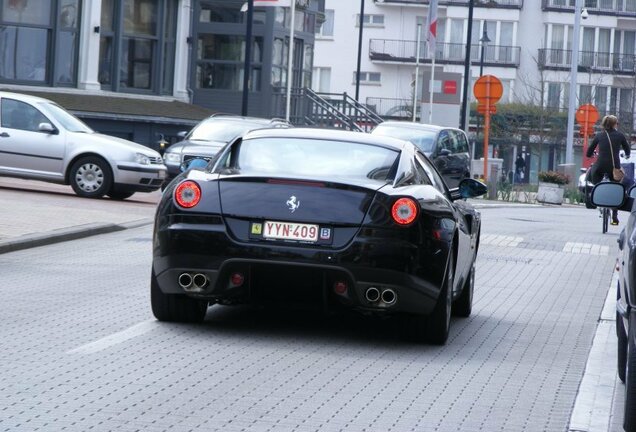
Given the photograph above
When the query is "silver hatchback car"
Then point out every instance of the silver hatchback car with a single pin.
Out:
(40, 140)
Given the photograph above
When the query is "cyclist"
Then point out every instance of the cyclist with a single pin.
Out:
(608, 157)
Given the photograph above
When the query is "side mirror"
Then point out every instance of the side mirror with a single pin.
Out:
(608, 194)
(47, 128)
(468, 188)
(182, 134)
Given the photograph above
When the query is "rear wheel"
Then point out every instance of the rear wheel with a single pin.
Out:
(606, 215)
(90, 177)
(463, 306)
(438, 322)
(621, 352)
(175, 307)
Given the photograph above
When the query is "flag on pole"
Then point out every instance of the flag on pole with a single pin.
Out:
(431, 33)
(280, 3)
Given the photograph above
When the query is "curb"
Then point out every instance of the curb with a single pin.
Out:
(594, 400)
(65, 234)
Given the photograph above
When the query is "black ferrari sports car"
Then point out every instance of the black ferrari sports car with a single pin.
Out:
(321, 218)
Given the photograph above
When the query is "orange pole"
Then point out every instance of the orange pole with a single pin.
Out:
(486, 129)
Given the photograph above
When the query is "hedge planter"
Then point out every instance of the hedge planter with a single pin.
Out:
(550, 193)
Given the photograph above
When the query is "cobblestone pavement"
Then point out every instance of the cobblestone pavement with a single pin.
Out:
(80, 350)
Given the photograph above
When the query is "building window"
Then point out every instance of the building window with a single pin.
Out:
(554, 95)
(368, 78)
(220, 62)
(137, 45)
(322, 79)
(39, 42)
(371, 20)
(228, 11)
(280, 56)
(326, 29)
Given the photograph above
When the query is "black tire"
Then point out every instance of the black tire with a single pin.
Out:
(463, 306)
(175, 307)
(91, 177)
(120, 195)
(438, 322)
(621, 352)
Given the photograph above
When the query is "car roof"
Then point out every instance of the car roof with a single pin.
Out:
(24, 97)
(328, 134)
(260, 120)
(413, 125)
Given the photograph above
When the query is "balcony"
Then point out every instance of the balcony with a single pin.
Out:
(597, 7)
(506, 4)
(589, 61)
(401, 51)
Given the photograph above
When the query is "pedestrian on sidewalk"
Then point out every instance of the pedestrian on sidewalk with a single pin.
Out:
(520, 167)
(609, 141)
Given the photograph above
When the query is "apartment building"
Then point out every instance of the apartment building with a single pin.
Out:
(146, 69)
(529, 49)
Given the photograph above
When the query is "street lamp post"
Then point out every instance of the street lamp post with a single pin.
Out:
(463, 121)
(569, 149)
(484, 42)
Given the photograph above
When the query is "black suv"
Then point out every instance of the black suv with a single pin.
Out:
(446, 147)
(209, 136)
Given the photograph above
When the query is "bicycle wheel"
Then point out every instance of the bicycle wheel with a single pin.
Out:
(606, 216)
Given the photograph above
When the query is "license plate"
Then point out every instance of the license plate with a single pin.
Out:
(290, 231)
(161, 174)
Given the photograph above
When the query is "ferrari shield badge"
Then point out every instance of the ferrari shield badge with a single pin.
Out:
(293, 203)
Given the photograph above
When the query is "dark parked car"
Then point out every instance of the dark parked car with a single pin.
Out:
(331, 219)
(446, 147)
(209, 136)
(610, 194)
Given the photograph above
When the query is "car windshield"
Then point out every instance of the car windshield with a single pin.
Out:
(66, 119)
(221, 130)
(423, 139)
(315, 157)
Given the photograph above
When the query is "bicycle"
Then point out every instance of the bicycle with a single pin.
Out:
(605, 214)
(605, 211)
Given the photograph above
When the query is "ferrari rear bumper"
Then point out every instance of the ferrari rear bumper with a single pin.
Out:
(239, 272)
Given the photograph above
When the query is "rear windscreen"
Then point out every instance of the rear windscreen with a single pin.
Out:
(423, 139)
(314, 157)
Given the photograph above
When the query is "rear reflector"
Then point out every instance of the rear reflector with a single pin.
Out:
(340, 287)
(404, 211)
(237, 279)
(187, 194)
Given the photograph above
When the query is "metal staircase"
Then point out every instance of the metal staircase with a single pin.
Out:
(339, 111)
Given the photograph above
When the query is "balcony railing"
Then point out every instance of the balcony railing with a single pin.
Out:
(599, 7)
(402, 51)
(588, 61)
(508, 4)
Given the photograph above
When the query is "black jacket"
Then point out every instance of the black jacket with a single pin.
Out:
(603, 164)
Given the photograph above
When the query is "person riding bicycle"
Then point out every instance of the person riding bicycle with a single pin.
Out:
(604, 164)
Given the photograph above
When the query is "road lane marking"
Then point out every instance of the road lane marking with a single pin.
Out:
(586, 249)
(116, 338)
(501, 240)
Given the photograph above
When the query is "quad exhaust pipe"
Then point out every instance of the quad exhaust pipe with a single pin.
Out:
(387, 297)
(193, 283)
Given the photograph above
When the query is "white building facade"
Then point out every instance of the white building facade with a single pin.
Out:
(529, 50)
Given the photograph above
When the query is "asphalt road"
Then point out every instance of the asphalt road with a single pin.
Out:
(80, 350)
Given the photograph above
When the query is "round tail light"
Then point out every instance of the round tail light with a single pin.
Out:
(404, 211)
(187, 194)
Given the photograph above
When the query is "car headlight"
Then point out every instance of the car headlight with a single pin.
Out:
(172, 158)
(142, 159)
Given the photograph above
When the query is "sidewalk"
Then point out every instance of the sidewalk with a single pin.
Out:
(36, 214)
